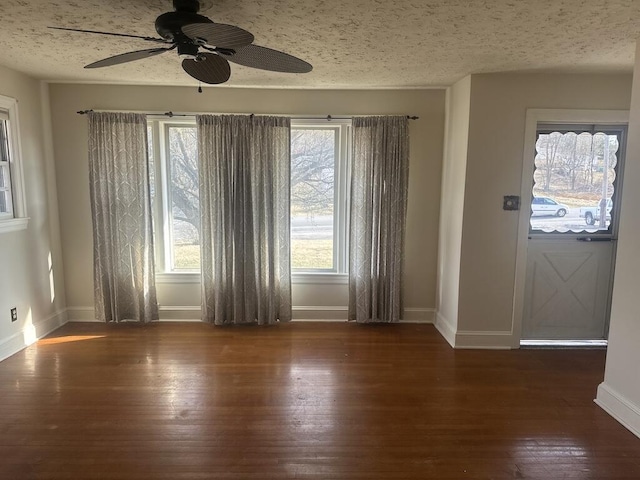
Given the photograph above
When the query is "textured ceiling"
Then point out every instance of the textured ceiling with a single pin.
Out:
(352, 43)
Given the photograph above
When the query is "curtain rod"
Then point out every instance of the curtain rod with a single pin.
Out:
(171, 115)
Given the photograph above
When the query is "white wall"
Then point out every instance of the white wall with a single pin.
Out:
(494, 169)
(454, 170)
(619, 394)
(181, 300)
(26, 278)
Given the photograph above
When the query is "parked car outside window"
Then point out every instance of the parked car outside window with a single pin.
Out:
(547, 206)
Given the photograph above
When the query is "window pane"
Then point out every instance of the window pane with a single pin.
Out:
(152, 164)
(184, 194)
(5, 179)
(5, 189)
(4, 204)
(312, 198)
(573, 182)
(4, 142)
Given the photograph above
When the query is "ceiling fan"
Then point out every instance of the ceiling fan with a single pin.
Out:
(206, 47)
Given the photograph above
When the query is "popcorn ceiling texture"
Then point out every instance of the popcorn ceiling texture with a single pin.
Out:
(351, 44)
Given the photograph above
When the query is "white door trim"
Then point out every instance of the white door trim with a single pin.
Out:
(533, 118)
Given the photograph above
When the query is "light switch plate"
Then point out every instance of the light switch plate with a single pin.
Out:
(511, 202)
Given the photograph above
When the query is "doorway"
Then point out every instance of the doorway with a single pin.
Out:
(571, 208)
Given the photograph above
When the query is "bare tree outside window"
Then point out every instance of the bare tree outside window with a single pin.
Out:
(319, 182)
(574, 181)
(182, 144)
(312, 198)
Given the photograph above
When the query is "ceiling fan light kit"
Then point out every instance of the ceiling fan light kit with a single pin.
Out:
(205, 47)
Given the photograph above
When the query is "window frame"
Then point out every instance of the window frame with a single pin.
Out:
(163, 222)
(342, 178)
(17, 219)
(620, 130)
(159, 126)
(5, 167)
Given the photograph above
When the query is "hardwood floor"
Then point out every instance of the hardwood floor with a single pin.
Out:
(303, 400)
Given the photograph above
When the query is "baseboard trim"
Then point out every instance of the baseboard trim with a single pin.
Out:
(193, 313)
(619, 407)
(31, 333)
(469, 339)
(329, 313)
(167, 314)
(419, 315)
(187, 313)
(81, 314)
(446, 329)
(484, 340)
(340, 314)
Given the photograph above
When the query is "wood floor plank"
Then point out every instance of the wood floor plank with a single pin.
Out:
(302, 400)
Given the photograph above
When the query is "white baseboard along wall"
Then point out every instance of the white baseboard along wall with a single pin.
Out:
(30, 333)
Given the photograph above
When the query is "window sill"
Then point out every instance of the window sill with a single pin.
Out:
(320, 278)
(190, 277)
(13, 224)
(296, 278)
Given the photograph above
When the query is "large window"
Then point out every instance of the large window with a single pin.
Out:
(319, 180)
(319, 169)
(12, 198)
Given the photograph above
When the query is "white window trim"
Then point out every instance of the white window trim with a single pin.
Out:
(161, 213)
(178, 277)
(19, 220)
(13, 224)
(296, 278)
(319, 278)
(337, 274)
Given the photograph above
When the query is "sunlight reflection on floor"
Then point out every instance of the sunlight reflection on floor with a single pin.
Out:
(68, 339)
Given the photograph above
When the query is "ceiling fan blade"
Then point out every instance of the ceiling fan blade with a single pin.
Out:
(209, 68)
(268, 59)
(149, 39)
(219, 34)
(127, 57)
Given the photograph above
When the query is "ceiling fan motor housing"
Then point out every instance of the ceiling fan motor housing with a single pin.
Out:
(192, 6)
(169, 25)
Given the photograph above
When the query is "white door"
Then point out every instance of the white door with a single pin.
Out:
(570, 258)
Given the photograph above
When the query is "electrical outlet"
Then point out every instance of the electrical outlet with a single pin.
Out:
(14, 314)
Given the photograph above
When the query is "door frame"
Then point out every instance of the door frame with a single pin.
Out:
(534, 116)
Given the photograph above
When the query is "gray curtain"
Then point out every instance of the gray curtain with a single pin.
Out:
(244, 165)
(379, 184)
(124, 268)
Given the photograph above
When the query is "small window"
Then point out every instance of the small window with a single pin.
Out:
(173, 157)
(319, 169)
(575, 178)
(6, 203)
(12, 199)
